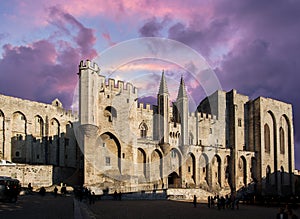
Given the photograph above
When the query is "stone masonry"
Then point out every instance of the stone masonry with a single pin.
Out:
(230, 144)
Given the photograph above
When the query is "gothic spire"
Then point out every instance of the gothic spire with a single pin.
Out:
(182, 90)
(163, 89)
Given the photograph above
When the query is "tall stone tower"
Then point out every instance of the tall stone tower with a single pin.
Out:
(88, 92)
(163, 111)
(182, 104)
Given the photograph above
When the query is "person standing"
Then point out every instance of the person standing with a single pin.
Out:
(195, 201)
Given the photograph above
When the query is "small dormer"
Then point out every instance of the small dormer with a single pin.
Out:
(57, 103)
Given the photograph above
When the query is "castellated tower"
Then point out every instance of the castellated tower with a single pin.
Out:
(88, 92)
(182, 104)
(163, 111)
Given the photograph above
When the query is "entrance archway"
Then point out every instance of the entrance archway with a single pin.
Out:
(174, 181)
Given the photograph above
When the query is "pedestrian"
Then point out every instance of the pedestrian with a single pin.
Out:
(93, 197)
(281, 214)
(55, 191)
(208, 201)
(29, 188)
(195, 201)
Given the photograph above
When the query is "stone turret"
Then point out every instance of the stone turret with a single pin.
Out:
(88, 92)
(182, 104)
(163, 111)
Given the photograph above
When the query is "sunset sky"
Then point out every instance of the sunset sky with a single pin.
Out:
(251, 46)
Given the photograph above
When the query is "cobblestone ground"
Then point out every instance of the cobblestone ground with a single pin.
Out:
(174, 210)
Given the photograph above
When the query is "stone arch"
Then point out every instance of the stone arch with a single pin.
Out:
(143, 130)
(111, 113)
(141, 163)
(174, 180)
(54, 127)
(267, 138)
(216, 170)
(69, 128)
(242, 165)
(274, 127)
(19, 124)
(111, 152)
(205, 173)
(175, 167)
(2, 134)
(156, 165)
(289, 148)
(38, 126)
(191, 170)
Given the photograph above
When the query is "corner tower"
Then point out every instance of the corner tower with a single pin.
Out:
(163, 111)
(88, 92)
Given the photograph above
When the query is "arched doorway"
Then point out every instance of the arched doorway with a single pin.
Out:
(174, 181)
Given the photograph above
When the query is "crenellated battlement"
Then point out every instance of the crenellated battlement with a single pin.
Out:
(88, 65)
(206, 116)
(144, 107)
(120, 86)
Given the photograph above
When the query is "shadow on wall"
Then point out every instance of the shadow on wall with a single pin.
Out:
(275, 187)
(59, 151)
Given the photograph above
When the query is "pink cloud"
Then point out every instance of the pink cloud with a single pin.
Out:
(51, 67)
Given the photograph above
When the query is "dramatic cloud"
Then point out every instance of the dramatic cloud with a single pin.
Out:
(152, 27)
(253, 46)
(42, 71)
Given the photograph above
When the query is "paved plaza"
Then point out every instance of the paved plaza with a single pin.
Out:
(48, 207)
(173, 210)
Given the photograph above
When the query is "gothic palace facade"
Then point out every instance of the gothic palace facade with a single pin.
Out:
(230, 143)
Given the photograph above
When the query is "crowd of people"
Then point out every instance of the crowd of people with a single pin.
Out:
(227, 202)
(286, 213)
(84, 193)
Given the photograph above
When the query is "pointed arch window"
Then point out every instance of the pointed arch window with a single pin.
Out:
(143, 130)
(267, 138)
(281, 136)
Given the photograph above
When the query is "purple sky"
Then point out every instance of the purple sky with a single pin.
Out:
(253, 46)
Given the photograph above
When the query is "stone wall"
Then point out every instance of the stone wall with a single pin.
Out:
(37, 175)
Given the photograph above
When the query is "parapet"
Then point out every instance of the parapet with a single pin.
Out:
(88, 64)
(120, 86)
(206, 116)
(144, 107)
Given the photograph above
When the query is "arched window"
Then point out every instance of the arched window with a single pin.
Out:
(267, 138)
(111, 113)
(281, 136)
(143, 130)
(38, 126)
